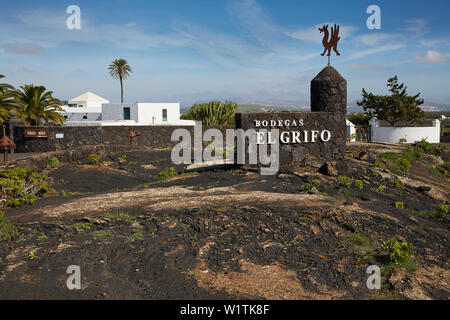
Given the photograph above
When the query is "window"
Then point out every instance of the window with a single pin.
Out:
(84, 117)
(126, 113)
(72, 105)
(164, 115)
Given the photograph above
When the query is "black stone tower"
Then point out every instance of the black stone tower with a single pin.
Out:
(329, 92)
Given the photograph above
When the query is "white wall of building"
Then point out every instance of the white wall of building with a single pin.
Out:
(351, 131)
(411, 134)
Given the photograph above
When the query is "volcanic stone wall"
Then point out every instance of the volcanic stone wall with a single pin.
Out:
(74, 137)
(291, 153)
(328, 113)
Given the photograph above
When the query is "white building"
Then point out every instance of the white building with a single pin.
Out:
(92, 110)
(407, 134)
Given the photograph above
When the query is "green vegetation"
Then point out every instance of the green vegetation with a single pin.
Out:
(53, 163)
(439, 214)
(359, 119)
(344, 181)
(93, 158)
(306, 187)
(403, 164)
(21, 186)
(7, 105)
(100, 234)
(122, 159)
(399, 204)
(42, 237)
(378, 163)
(357, 239)
(137, 235)
(83, 225)
(7, 230)
(393, 108)
(120, 69)
(399, 184)
(214, 113)
(381, 188)
(167, 173)
(119, 216)
(398, 252)
(359, 184)
(35, 103)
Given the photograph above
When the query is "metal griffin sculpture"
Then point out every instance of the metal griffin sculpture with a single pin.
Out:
(332, 43)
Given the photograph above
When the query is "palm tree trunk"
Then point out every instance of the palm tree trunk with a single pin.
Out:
(121, 90)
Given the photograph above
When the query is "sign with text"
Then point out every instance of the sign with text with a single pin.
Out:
(36, 133)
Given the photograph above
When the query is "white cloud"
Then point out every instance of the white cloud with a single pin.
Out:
(432, 57)
(416, 26)
(433, 42)
(372, 51)
(312, 34)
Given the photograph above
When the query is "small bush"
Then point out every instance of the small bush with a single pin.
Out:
(381, 188)
(398, 252)
(357, 239)
(53, 163)
(93, 158)
(399, 204)
(399, 184)
(7, 230)
(306, 187)
(344, 181)
(167, 173)
(359, 184)
(442, 210)
(19, 186)
(403, 164)
(315, 183)
(378, 163)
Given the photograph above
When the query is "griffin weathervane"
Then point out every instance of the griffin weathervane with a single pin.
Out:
(332, 43)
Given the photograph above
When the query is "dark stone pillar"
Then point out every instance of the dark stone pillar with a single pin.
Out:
(329, 92)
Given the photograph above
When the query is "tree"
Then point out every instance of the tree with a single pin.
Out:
(6, 101)
(214, 113)
(119, 69)
(35, 103)
(359, 119)
(393, 108)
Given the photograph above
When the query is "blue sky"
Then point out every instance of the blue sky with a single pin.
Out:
(254, 50)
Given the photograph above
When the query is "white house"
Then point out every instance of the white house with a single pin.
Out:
(87, 107)
(350, 131)
(92, 110)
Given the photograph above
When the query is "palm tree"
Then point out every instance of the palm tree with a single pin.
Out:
(6, 101)
(120, 69)
(35, 103)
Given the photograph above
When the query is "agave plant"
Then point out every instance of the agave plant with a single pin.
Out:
(6, 101)
(120, 69)
(214, 113)
(35, 103)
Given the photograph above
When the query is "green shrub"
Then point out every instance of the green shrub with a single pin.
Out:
(344, 181)
(398, 252)
(399, 184)
(122, 159)
(378, 163)
(306, 187)
(315, 183)
(359, 184)
(399, 204)
(442, 210)
(357, 239)
(53, 163)
(167, 173)
(403, 164)
(381, 188)
(7, 230)
(389, 156)
(19, 186)
(425, 146)
(93, 158)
